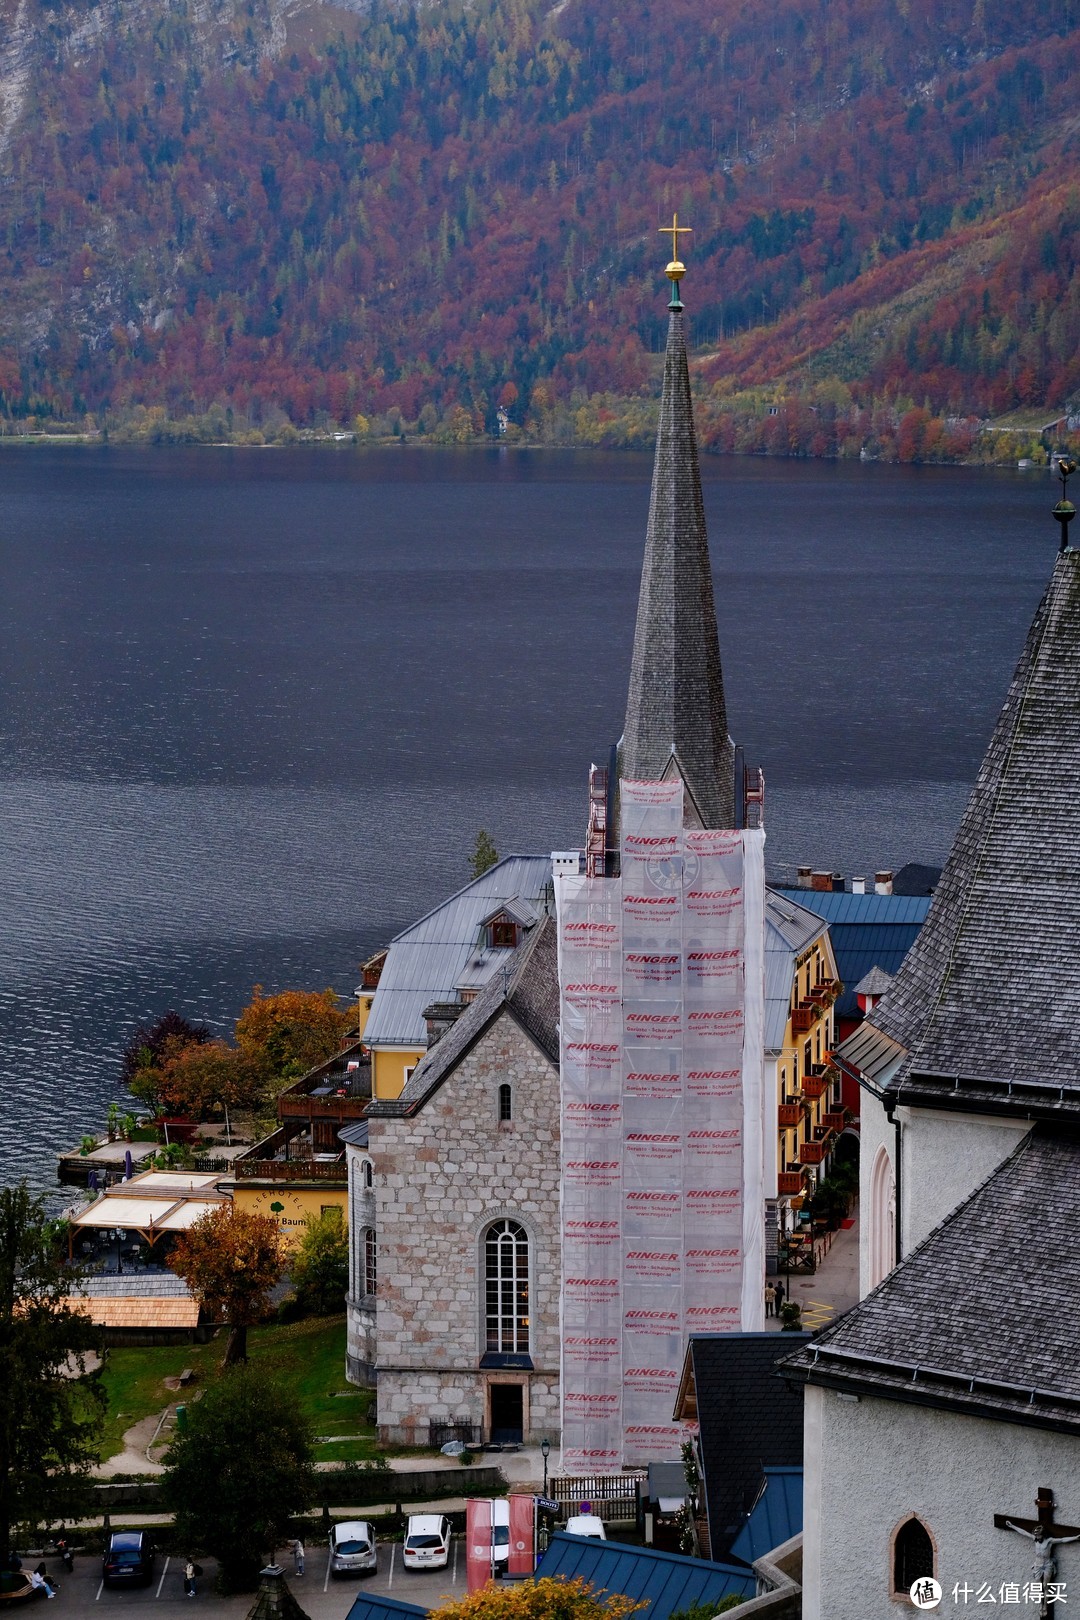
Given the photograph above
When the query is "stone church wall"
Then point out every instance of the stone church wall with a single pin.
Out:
(442, 1177)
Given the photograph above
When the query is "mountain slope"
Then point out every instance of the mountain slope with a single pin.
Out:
(306, 213)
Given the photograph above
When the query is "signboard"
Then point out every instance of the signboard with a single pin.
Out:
(661, 974)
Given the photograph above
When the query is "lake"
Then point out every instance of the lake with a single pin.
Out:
(257, 703)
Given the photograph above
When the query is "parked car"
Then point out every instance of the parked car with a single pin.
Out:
(129, 1559)
(427, 1541)
(352, 1548)
(586, 1524)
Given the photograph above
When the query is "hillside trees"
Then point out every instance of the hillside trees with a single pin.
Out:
(231, 1261)
(228, 239)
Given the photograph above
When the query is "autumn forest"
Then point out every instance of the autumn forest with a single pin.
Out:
(251, 222)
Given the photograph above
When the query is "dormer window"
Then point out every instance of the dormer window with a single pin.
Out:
(503, 934)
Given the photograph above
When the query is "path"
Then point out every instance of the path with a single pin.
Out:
(834, 1287)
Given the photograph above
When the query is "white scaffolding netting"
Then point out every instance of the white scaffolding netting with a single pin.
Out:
(661, 974)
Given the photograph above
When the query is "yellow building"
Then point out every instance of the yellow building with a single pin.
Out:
(291, 1204)
(801, 988)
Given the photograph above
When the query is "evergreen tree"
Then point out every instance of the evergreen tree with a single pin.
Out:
(484, 854)
(50, 1418)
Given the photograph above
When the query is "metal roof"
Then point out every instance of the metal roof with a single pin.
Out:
(775, 1517)
(867, 931)
(355, 1135)
(372, 1607)
(428, 960)
(789, 929)
(666, 1581)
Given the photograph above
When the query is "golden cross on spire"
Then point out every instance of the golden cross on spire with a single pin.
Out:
(674, 230)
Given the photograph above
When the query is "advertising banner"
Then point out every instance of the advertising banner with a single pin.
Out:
(477, 1542)
(661, 972)
(522, 1535)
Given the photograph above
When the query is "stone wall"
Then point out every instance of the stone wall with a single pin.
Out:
(359, 1303)
(442, 1176)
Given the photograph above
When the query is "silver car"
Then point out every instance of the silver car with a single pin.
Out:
(352, 1548)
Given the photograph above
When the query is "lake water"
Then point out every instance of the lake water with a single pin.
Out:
(256, 704)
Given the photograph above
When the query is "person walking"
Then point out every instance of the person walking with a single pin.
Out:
(779, 1291)
(189, 1578)
(298, 1556)
(770, 1299)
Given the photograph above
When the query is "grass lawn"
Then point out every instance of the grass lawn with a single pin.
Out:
(308, 1357)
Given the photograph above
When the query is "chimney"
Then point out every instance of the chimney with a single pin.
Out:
(439, 1016)
(858, 885)
(803, 879)
(883, 883)
(821, 881)
(838, 882)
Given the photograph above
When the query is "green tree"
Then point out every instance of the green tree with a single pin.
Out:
(50, 1420)
(484, 854)
(239, 1471)
(320, 1271)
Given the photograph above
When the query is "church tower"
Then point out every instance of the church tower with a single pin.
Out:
(676, 716)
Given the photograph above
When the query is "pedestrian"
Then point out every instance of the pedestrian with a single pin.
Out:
(189, 1578)
(40, 1583)
(770, 1299)
(298, 1556)
(780, 1292)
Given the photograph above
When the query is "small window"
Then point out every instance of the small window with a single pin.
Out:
(504, 935)
(370, 1261)
(369, 1173)
(506, 1102)
(334, 1211)
(913, 1555)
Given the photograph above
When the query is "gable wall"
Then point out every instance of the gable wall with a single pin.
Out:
(871, 1463)
(441, 1178)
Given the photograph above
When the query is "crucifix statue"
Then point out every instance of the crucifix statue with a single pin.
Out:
(1046, 1537)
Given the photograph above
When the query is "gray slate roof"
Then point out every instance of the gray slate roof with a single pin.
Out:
(676, 716)
(529, 990)
(429, 959)
(981, 1317)
(135, 1285)
(789, 929)
(874, 983)
(988, 999)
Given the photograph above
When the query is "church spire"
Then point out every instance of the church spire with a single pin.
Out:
(676, 718)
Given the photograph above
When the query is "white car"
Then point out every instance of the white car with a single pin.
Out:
(500, 1534)
(586, 1524)
(352, 1548)
(427, 1541)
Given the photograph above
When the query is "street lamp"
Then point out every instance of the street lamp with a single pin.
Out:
(545, 1531)
(545, 1451)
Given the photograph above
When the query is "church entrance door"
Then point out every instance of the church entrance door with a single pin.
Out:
(507, 1414)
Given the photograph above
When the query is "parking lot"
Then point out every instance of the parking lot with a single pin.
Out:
(323, 1597)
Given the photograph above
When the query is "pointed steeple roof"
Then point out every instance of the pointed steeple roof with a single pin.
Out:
(986, 1005)
(676, 718)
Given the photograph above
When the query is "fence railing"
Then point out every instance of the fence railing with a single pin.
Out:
(611, 1496)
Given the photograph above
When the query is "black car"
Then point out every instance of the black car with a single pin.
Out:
(128, 1559)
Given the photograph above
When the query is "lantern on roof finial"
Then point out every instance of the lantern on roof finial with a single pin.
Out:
(1065, 511)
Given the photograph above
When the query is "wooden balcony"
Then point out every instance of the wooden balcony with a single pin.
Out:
(789, 1183)
(789, 1113)
(298, 1105)
(814, 1086)
(292, 1170)
(835, 1120)
(802, 1019)
(813, 1152)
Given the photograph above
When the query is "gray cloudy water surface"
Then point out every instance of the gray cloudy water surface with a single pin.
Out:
(254, 705)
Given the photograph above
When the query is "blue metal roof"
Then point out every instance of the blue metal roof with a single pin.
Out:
(867, 930)
(666, 1581)
(382, 1608)
(775, 1517)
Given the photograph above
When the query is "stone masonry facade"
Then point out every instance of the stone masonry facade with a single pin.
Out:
(442, 1177)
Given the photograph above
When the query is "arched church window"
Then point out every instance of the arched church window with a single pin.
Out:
(882, 1235)
(506, 1287)
(368, 1174)
(913, 1554)
(506, 1102)
(370, 1261)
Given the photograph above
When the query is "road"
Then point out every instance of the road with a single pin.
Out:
(82, 1595)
